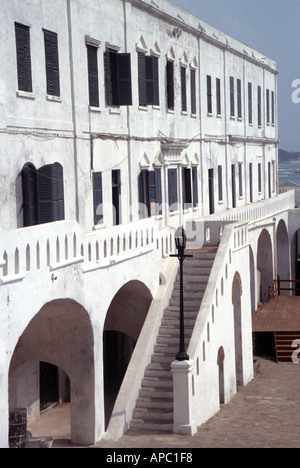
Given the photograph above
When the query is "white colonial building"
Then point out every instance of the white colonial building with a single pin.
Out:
(120, 121)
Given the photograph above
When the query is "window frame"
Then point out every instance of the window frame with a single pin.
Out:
(117, 78)
(52, 63)
(23, 55)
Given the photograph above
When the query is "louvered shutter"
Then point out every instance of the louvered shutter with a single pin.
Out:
(58, 192)
(193, 92)
(209, 94)
(29, 189)
(195, 186)
(218, 97)
(107, 78)
(156, 81)
(92, 54)
(170, 85)
(97, 197)
(45, 204)
(232, 104)
(143, 182)
(239, 98)
(183, 89)
(52, 63)
(23, 57)
(150, 80)
(142, 79)
(124, 78)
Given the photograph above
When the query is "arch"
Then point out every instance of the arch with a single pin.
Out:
(264, 264)
(283, 254)
(60, 334)
(124, 321)
(237, 318)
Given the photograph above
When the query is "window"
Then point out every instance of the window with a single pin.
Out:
(195, 186)
(150, 193)
(209, 94)
(97, 198)
(218, 96)
(172, 189)
(186, 188)
(232, 103)
(250, 103)
(220, 183)
(52, 63)
(273, 107)
(92, 58)
(259, 178)
(23, 57)
(240, 179)
(148, 80)
(43, 194)
(239, 98)
(259, 105)
(116, 196)
(170, 85)
(117, 78)
(268, 105)
(183, 89)
(193, 92)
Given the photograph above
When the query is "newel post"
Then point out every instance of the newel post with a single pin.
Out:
(182, 396)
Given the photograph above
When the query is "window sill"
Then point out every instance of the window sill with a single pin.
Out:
(156, 107)
(94, 109)
(115, 110)
(209, 114)
(184, 113)
(143, 108)
(232, 117)
(194, 116)
(26, 95)
(219, 116)
(53, 98)
(171, 111)
(96, 227)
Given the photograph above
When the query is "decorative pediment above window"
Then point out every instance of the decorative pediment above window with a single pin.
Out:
(155, 50)
(92, 42)
(170, 53)
(193, 63)
(185, 159)
(195, 160)
(141, 45)
(174, 153)
(158, 160)
(144, 161)
(183, 58)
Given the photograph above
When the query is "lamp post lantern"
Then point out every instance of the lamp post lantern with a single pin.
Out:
(180, 242)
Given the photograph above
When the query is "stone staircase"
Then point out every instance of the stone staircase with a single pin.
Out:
(154, 406)
(283, 345)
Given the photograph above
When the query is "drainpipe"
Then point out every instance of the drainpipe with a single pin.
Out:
(128, 126)
(74, 119)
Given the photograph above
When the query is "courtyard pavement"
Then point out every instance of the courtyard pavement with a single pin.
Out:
(264, 414)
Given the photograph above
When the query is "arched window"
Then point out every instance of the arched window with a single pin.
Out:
(43, 194)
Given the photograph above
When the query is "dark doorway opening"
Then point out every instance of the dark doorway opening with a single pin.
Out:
(49, 392)
(264, 344)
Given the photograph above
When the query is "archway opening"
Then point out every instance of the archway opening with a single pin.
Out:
(53, 362)
(283, 259)
(124, 321)
(264, 265)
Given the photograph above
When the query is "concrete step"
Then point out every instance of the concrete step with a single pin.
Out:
(151, 425)
(166, 349)
(152, 393)
(164, 403)
(158, 414)
(190, 295)
(157, 382)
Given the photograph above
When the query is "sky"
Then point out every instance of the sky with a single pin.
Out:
(271, 27)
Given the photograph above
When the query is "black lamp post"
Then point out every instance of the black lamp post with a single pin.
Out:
(180, 242)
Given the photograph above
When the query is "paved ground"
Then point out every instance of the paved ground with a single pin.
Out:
(264, 414)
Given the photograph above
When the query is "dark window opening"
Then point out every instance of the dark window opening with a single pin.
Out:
(232, 102)
(259, 105)
(116, 196)
(172, 189)
(97, 198)
(52, 63)
(23, 57)
(250, 103)
(43, 194)
(209, 94)
(150, 198)
(195, 186)
(183, 89)
(193, 92)
(218, 96)
(92, 56)
(170, 85)
(186, 188)
(220, 183)
(239, 98)
(117, 69)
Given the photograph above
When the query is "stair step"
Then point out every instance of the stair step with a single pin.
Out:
(151, 425)
(151, 393)
(156, 414)
(165, 403)
(157, 382)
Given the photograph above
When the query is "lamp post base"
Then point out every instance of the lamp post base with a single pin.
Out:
(182, 356)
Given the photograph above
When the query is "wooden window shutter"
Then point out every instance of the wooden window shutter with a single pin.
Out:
(29, 189)
(232, 104)
(259, 105)
(97, 197)
(144, 194)
(124, 78)
(150, 79)
(170, 85)
(209, 94)
(268, 104)
(50, 193)
(142, 79)
(58, 192)
(250, 102)
(107, 78)
(52, 63)
(239, 98)
(92, 54)
(23, 57)
(183, 89)
(186, 187)
(193, 92)
(156, 81)
(218, 97)
(195, 186)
